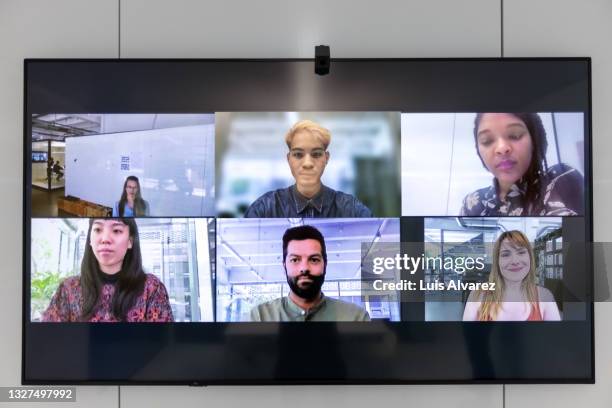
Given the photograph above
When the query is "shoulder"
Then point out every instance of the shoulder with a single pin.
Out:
(475, 296)
(348, 204)
(341, 196)
(563, 176)
(65, 303)
(563, 191)
(349, 311)
(153, 284)
(545, 295)
(71, 283)
(548, 306)
(267, 311)
(70, 288)
(270, 305)
(341, 304)
(273, 195)
(470, 312)
(562, 170)
(473, 202)
(259, 207)
(152, 280)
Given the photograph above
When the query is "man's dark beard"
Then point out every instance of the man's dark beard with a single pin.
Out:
(309, 292)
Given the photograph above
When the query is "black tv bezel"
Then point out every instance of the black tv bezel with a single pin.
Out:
(500, 327)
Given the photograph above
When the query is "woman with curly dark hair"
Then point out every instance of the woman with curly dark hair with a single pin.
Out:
(512, 146)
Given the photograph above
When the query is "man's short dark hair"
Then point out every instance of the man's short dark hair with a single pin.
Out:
(301, 233)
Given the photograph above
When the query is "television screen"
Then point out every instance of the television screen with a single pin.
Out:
(252, 222)
(39, 157)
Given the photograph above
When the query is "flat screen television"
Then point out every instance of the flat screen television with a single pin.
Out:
(39, 157)
(252, 222)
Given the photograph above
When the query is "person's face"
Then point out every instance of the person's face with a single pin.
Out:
(131, 188)
(305, 268)
(514, 261)
(110, 240)
(307, 158)
(505, 146)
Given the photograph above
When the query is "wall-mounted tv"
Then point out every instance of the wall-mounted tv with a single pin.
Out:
(252, 222)
(39, 157)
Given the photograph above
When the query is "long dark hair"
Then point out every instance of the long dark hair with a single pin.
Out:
(538, 166)
(130, 284)
(140, 206)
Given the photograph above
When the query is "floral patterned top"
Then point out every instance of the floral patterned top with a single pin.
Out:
(152, 305)
(562, 193)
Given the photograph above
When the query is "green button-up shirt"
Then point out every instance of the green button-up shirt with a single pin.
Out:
(328, 310)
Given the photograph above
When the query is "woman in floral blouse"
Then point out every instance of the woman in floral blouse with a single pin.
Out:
(112, 286)
(512, 146)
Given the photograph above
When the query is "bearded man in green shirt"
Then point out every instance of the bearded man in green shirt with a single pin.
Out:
(305, 262)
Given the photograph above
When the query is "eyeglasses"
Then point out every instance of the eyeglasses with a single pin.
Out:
(300, 154)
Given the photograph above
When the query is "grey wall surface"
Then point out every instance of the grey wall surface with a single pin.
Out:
(547, 28)
(290, 28)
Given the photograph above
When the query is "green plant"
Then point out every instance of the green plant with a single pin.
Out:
(43, 286)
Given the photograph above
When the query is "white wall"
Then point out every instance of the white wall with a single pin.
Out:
(290, 28)
(174, 166)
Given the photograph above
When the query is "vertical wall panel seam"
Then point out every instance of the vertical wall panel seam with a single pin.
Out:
(119, 28)
(119, 56)
(501, 15)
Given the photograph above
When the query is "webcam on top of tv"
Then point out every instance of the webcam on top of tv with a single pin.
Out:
(322, 59)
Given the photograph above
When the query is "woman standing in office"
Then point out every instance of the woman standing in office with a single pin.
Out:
(131, 203)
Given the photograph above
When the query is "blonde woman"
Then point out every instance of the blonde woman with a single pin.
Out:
(516, 296)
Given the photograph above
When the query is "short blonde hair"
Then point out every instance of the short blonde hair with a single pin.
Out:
(323, 134)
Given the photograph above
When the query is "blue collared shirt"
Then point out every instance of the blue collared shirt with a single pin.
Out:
(289, 203)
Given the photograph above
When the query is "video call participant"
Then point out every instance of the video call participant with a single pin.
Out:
(516, 296)
(112, 286)
(305, 263)
(512, 146)
(308, 197)
(131, 203)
